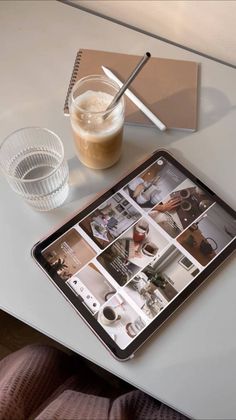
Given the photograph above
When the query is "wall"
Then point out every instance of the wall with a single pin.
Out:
(210, 229)
(178, 274)
(206, 26)
(95, 282)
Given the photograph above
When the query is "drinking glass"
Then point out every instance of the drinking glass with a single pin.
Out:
(32, 159)
(97, 133)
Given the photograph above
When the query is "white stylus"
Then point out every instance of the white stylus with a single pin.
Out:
(135, 100)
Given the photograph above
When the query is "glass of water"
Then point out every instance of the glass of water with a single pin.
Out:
(33, 162)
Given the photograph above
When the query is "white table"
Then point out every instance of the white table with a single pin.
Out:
(190, 363)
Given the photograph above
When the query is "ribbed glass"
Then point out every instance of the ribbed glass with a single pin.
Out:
(32, 160)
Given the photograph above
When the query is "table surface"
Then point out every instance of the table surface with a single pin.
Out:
(190, 363)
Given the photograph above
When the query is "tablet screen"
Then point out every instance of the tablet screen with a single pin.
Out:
(130, 257)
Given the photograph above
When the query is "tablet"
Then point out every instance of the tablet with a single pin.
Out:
(133, 256)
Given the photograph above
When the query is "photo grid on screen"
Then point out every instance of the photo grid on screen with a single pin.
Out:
(131, 256)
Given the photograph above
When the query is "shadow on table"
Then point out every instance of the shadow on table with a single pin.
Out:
(214, 105)
(85, 181)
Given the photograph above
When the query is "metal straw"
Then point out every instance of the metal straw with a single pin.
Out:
(134, 73)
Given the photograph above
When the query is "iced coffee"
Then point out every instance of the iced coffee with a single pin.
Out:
(97, 133)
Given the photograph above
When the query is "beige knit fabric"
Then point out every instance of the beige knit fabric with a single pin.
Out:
(40, 382)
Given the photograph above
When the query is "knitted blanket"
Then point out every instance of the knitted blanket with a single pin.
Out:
(41, 382)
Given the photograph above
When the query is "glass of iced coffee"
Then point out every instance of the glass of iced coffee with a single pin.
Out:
(97, 132)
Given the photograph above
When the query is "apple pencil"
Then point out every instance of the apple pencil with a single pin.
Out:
(135, 100)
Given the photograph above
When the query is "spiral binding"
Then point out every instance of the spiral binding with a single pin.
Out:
(72, 80)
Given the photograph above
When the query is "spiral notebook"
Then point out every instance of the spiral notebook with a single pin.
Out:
(168, 87)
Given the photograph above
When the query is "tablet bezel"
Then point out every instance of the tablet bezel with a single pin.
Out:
(174, 304)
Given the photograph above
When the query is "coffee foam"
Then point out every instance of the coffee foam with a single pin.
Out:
(91, 101)
(94, 125)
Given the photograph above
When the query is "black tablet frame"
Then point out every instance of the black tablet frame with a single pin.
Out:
(174, 304)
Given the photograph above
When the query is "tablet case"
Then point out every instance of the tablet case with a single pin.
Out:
(168, 87)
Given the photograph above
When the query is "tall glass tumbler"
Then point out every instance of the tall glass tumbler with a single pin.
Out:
(32, 159)
(97, 133)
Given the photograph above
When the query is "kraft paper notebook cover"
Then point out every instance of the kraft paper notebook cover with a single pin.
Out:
(168, 87)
